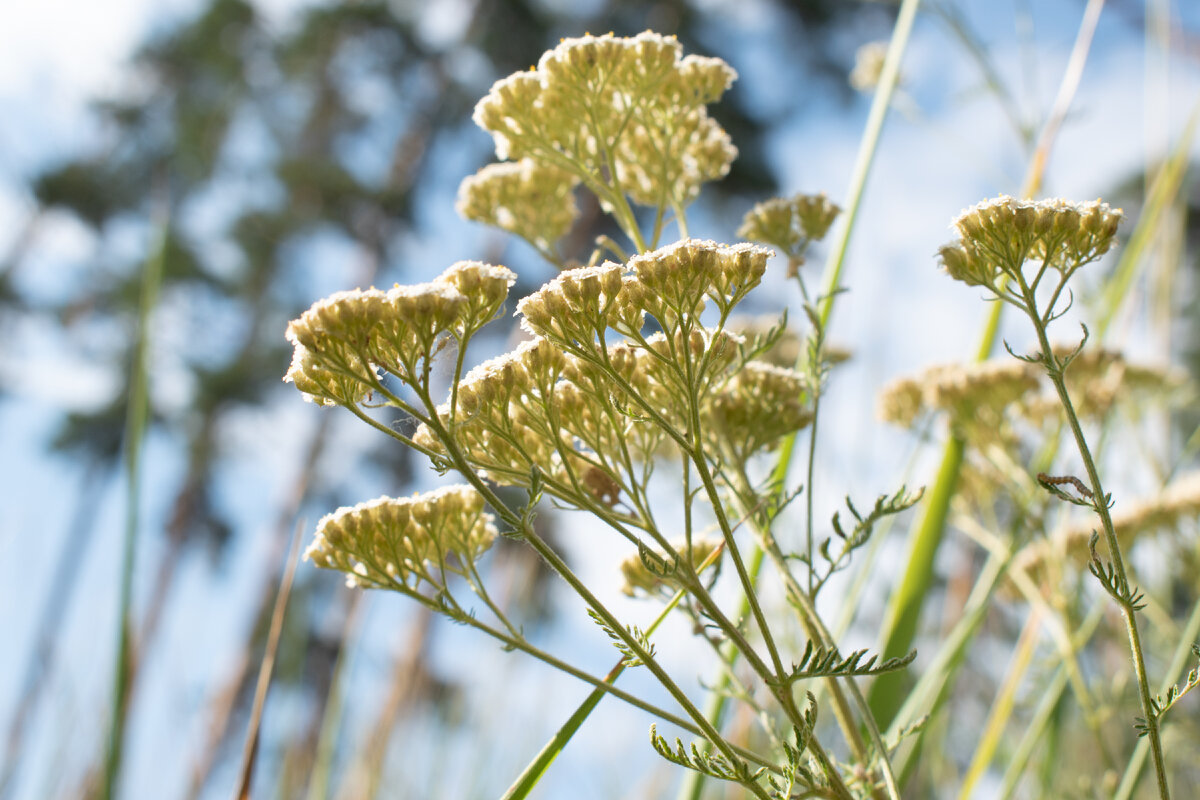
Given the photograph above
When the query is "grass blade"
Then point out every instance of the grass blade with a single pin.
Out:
(136, 422)
(904, 610)
(1162, 196)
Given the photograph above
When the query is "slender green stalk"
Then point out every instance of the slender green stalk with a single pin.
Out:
(1124, 595)
(886, 694)
(1164, 193)
(693, 782)
(868, 145)
(880, 103)
(1045, 713)
(1183, 651)
(933, 687)
(136, 422)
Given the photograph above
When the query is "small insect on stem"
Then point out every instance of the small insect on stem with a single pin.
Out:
(1060, 480)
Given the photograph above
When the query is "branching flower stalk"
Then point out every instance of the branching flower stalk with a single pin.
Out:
(997, 240)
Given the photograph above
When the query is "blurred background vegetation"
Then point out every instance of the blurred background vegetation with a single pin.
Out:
(277, 158)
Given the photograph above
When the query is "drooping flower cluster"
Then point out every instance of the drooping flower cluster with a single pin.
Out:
(405, 542)
(998, 237)
(533, 200)
(759, 405)
(629, 109)
(967, 392)
(343, 341)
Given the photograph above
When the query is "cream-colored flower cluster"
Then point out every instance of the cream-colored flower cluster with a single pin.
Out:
(630, 109)
(790, 224)
(342, 341)
(759, 405)
(868, 66)
(531, 199)
(577, 307)
(977, 394)
(639, 579)
(670, 284)
(997, 237)
(405, 542)
(965, 391)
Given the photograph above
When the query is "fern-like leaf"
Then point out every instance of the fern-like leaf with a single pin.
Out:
(822, 662)
(632, 659)
(714, 765)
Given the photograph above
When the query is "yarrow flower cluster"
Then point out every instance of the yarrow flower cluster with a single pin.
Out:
(997, 237)
(343, 341)
(404, 543)
(790, 224)
(868, 66)
(963, 390)
(531, 199)
(977, 394)
(630, 109)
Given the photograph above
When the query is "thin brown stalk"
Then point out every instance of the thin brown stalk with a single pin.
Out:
(225, 701)
(250, 752)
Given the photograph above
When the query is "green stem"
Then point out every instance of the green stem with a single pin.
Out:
(693, 782)
(808, 486)
(1178, 661)
(1100, 504)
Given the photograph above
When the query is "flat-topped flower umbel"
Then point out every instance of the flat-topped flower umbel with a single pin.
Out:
(998, 237)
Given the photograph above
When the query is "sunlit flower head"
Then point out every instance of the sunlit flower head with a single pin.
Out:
(404, 542)
(533, 200)
(997, 237)
(579, 304)
(635, 101)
